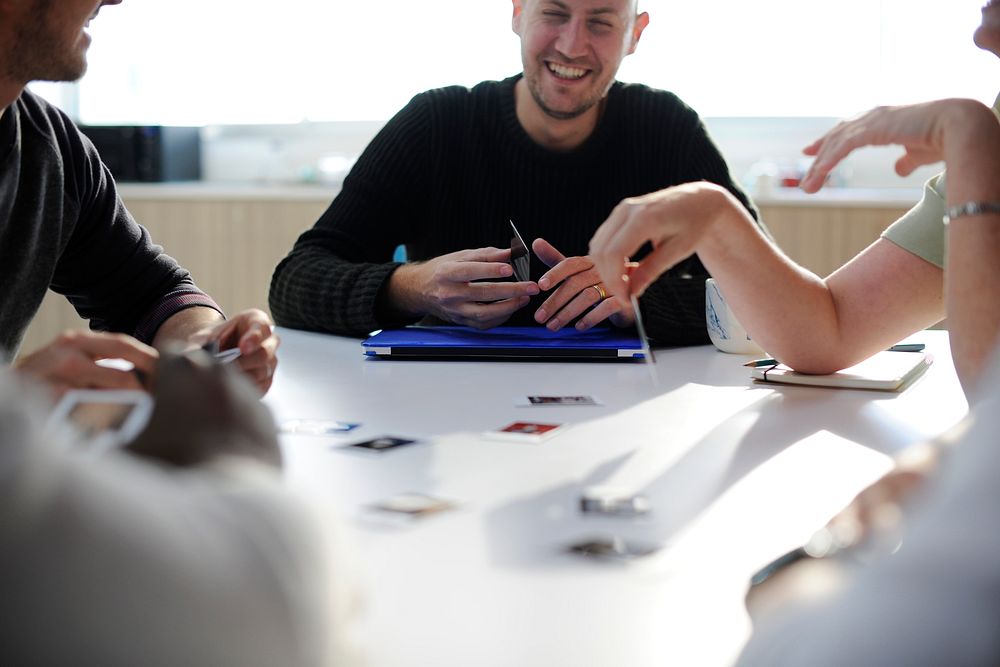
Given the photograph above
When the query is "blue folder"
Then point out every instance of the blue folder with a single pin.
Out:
(452, 342)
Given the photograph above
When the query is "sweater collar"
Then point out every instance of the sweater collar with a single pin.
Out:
(591, 146)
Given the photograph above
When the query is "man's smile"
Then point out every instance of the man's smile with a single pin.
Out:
(566, 72)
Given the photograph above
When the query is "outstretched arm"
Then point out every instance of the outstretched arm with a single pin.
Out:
(966, 135)
(812, 324)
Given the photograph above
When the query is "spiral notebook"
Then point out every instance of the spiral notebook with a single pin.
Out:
(883, 371)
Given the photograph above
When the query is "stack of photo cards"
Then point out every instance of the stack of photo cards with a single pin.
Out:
(219, 355)
(613, 501)
(317, 427)
(555, 401)
(612, 548)
(406, 508)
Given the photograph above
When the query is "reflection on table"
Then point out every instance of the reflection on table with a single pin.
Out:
(735, 474)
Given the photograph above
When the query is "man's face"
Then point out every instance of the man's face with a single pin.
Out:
(571, 49)
(50, 42)
(988, 34)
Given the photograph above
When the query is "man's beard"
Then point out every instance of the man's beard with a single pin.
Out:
(536, 94)
(38, 55)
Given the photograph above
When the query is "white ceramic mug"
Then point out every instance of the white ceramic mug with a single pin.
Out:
(724, 329)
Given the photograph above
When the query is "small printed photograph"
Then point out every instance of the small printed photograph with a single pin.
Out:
(541, 401)
(414, 505)
(94, 418)
(382, 444)
(219, 355)
(612, 549)
(613, 502)
(227, 356)
(317, 427)
(529, 428)
(525, 432)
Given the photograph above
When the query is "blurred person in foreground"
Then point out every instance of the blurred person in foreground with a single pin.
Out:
(184, 550)
(917, 585)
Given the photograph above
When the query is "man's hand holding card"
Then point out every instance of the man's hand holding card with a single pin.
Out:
(468, 287)
(576, 289)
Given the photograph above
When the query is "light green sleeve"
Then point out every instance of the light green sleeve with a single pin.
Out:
(921, 230)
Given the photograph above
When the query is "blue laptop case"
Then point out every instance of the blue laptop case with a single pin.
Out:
(453, 342)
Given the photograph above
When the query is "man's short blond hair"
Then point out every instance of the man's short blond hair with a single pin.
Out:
(635, 5)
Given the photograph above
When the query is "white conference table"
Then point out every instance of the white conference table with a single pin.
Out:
(736, 473)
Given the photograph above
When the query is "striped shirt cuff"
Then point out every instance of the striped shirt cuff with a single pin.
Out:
(167, 308)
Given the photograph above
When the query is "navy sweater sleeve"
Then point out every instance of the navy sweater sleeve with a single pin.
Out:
(64, 227)
(110, 270)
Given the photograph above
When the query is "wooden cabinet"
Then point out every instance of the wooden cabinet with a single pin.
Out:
(823, 238)
(232, 242)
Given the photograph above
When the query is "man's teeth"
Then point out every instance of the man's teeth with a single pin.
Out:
(566, 72)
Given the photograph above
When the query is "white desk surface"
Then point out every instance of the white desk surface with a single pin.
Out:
(736, 474)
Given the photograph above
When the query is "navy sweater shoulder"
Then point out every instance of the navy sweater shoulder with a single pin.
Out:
(63, 226)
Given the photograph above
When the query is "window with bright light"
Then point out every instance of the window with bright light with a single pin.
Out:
(250, 61)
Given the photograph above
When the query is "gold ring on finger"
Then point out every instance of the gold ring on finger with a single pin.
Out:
(601, 294)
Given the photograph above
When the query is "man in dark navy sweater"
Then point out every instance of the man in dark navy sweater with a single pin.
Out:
(63, 226)
(554, 149)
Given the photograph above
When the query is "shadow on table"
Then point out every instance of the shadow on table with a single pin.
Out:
(535, 530)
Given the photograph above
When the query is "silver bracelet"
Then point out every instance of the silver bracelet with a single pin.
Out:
(971, 208)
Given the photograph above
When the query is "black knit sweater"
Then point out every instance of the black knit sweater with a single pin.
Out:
(449, 170)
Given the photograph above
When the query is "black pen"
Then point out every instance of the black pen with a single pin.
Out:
(778, 564)
(907, 347)
(824, 543)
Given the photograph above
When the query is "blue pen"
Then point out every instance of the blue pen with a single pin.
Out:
(757, 363)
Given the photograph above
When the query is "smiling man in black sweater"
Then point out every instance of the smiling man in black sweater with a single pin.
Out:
(554, 149)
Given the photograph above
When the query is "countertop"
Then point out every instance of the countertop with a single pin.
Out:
(201, 191)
